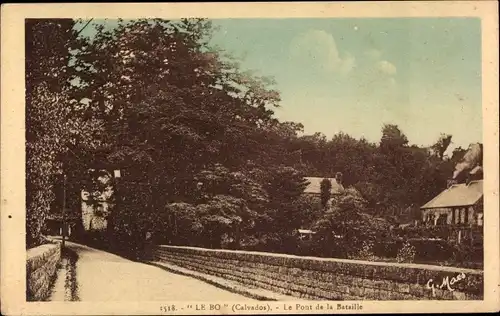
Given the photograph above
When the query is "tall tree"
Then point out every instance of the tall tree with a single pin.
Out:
(392, 138)
(53, 123)
(347, 225)
(326, 191)
(441, 145)
(158, 78)
(179, 113)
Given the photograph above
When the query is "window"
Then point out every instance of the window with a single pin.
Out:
(441, 219)
(480, 219)
(462, 216)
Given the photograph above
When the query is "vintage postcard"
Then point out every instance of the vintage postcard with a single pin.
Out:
(250, 158)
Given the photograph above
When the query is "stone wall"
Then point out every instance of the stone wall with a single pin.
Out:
(329, 279)
(41, 268)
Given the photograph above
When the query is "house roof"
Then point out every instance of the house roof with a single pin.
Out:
(306, 231)
(315, 185)
(457, 195)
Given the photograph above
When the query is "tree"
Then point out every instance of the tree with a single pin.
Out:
(231, 203)
(181, 217)
(326, 191)
(170, 83)
(222, 220)
(347, 226)
(180, 113)
(285, 187)
(312, 151)
(52, 115)
(441, 145)
(153, 97)
(392, 138)
(49, 44)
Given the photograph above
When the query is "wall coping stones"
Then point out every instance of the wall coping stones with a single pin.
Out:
(334, 260)
(41, 269)
(403, 278)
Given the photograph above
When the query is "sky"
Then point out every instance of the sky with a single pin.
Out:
(356, 74)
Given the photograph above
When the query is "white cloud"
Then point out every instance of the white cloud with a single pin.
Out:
(392, 82)
(386, 67)
(347, 64)
(373, 53)
(318, 49)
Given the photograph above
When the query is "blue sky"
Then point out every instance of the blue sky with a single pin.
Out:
(354, 75)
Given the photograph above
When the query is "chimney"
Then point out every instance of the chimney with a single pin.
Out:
(451, 182)
(468, 179)
(338, 178)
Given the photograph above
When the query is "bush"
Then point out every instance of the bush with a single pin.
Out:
(366, 251)
(406, 253)
(305, 248)
(442, 232)
(464, 254)
(387, 249)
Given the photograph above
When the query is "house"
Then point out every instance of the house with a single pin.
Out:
(313, 190)
(314, 186)
(461, 204)
(459, 207)
(54, 223)
(94, 215)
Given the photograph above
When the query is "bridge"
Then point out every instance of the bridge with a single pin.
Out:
(195, 274)
(103, 276)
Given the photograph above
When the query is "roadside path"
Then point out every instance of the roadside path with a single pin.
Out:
(102, 276)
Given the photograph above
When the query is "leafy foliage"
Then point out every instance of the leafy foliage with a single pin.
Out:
(406, 253)
(183, 118)
(345, 228)
(204, 159)
(52, 121)
(326, 188)
(366, 251)
(442, 145)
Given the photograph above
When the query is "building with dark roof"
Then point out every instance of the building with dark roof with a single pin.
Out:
(314, 186)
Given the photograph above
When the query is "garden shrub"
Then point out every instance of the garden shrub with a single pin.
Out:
(366, 251)
(431, 249)
(406, 253)
(387, 249)
(465, 254)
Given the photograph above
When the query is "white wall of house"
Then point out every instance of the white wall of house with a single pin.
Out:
(454, 216)
(430, 214)
(91, 220)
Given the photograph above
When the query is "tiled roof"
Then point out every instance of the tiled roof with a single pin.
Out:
(315, 185)
(458, 195)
